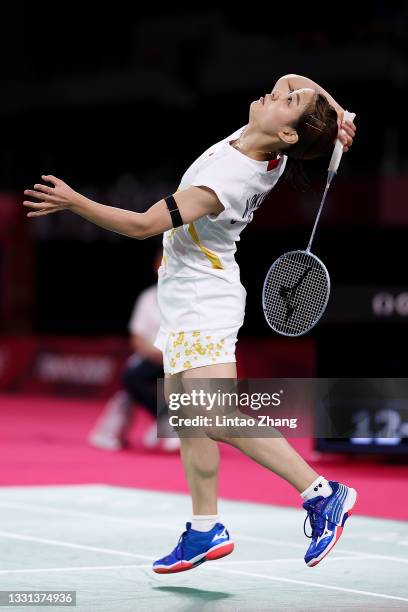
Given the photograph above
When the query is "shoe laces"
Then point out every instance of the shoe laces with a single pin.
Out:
(179, 550)
(316, 521)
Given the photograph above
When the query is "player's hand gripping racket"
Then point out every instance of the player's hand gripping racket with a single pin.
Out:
(297, 287)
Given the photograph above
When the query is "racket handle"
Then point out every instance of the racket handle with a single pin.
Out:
(338, 147)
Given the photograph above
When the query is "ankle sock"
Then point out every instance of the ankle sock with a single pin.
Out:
(320, 486)
(203, 522)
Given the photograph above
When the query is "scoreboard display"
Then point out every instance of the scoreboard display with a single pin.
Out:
(364, 426)
(364, 334)
(370, 415)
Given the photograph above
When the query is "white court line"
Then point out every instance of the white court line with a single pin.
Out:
(292, 560)
(110, 551)
(356, 554)
(91, 515)
(156, 525)
(305, 583)
(71, 569)
(221, 569)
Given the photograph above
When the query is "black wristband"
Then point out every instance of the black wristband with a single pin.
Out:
(174, 211)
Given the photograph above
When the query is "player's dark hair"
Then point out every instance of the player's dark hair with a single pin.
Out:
(317, 130)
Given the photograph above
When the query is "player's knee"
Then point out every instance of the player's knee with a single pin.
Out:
(218, 434)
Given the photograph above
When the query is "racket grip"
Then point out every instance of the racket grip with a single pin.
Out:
(338, 147)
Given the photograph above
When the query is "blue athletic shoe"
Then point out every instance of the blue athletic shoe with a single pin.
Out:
(195, 547)
(327, 516)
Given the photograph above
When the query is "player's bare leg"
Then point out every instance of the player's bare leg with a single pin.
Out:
(201, 458)
(209, 539)
(276, 454)
(205, 538)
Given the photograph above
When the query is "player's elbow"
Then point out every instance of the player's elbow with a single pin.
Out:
(140, 234)
(140, 228)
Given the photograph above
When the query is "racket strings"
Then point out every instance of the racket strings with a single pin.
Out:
(294, 313)
(296, 291)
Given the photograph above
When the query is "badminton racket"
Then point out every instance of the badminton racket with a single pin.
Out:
(297, 286)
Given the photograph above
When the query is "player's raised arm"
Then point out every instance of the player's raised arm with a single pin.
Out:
(192, 203)
(291, 82)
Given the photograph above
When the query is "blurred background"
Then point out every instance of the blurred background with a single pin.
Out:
(118, 105)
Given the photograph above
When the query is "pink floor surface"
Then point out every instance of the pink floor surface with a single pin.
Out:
(43, 441)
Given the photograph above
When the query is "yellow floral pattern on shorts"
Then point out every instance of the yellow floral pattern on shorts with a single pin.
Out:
(186, 348)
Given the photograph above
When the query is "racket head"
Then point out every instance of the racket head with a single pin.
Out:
(292, 311)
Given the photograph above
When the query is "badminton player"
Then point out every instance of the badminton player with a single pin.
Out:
(202, 300)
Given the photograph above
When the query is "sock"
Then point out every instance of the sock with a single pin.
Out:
(204, 522)
(320, 486)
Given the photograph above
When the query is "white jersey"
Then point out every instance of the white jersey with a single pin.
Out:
(241, 184)
(201, 298)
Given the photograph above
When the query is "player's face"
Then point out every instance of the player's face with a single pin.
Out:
(276, 111)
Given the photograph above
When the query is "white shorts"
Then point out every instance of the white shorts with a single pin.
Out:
(183, 350)
(200, 317)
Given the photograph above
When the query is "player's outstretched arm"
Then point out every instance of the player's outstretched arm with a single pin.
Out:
(193, 203)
